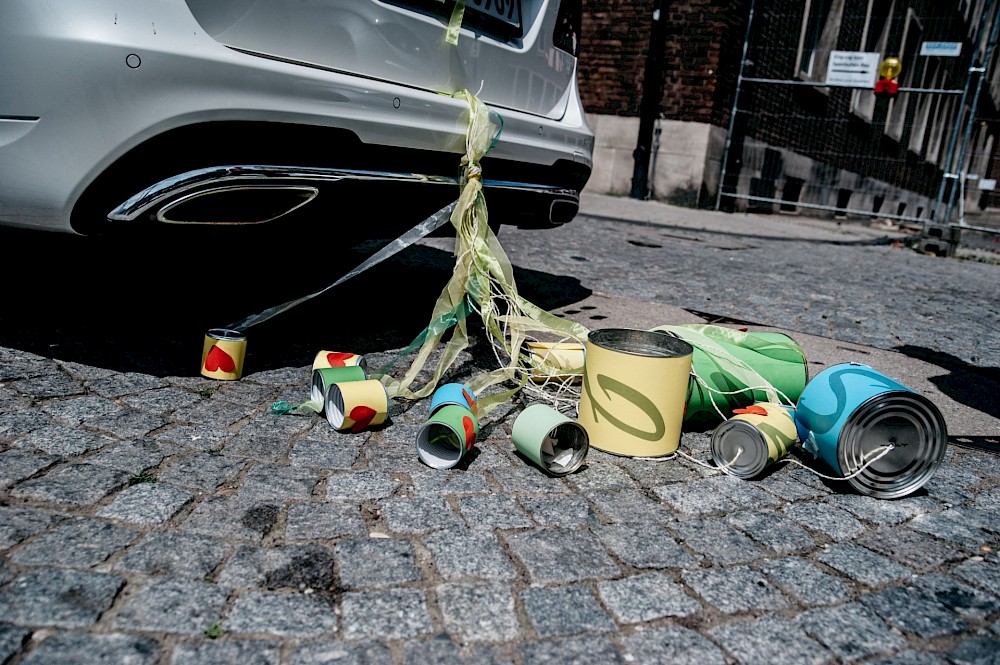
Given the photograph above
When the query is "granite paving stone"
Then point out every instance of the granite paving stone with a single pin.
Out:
(785, 487)
(389, 614)
(322, 455)
(672, 644)
(436, 481)
(258, 447)
(419, 515)
(910, 657)
(913, 611)
(735, 589)
(172, 605)
(215, 652)
(564, 510)
(147, 504)
(861, 564)
(233, 516)
(343, 653)
(12, 639)
(771, 640)
(79, 542)
(120, 384)
(17, 423)
(772, 530)
(133, 456)
(166, 553)
(850, 631)
(583, 650)
(715, 541)
(280, 482)
(63, 440)
(742, 493)
(480, 612)
(18, 523)
(213, 411)
(283, 615)
(466, 554)
(526, 480)
(657, 473)
(830, 521)
(950, 526)
(885, 513)
(323, 521)
(74, 484)
(89, 649)
(560, 555)
(600, 477)
(492, 512)
(646, 597)
(629, 506)
(804, 581)
(58, 598)
(644, 546)
(695, 498)
(368, 562)
(567, 610)
(198, 437)
(128, 423)
(77, 410)
(17, 465)
(978, 650)
(983, 573)
(443, 649)
(912, 548)
(54, 384)
(360, 485)
(295, 567)
(161, 400)
(201, 471)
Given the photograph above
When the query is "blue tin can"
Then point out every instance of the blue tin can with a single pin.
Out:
(453, 393)
(849, 411)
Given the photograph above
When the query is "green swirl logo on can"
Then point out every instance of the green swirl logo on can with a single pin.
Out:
(612, 386)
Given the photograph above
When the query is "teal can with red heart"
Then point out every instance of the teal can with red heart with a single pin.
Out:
(223, 353)
(447, 436)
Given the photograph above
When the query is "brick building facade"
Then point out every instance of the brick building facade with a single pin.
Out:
(798, 143)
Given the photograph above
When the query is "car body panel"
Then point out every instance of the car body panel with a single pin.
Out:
(82, 84)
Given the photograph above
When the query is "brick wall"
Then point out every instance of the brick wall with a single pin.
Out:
(702, 51)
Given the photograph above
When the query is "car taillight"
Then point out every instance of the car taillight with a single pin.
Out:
(567, 32)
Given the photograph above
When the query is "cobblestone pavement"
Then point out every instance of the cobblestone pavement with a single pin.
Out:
(148, 519)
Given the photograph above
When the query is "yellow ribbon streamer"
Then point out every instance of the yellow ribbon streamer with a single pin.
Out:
(484, 274)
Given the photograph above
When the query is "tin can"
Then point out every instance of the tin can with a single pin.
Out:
(223, 353)
(555, 361)
(355, 405)
(756, 437)
(635, 386)
(454, 393)
(555, 442)
(850, 411)
(325, 377)
(326, 358)
(447, 436)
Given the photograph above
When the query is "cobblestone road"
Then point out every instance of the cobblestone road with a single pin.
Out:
(148, 519)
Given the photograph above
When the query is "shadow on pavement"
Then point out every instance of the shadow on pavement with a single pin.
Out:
(142, 303)
(976, 387)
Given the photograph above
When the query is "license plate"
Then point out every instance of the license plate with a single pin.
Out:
(508, 11)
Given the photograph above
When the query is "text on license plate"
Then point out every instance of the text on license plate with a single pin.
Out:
(508, 11)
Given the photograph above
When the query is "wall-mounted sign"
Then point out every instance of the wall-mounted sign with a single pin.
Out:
(852, 69)
(941, 49)
(988, 184)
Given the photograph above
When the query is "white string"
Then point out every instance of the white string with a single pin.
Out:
(885, 451)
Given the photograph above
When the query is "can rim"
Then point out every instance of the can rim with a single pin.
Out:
(579, 444)
(640, 343)
(756, 459)
(226, 335)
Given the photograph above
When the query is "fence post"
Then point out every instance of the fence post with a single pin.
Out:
(649, 106)
(732, 113)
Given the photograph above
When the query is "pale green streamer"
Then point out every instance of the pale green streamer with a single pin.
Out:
(483, 274)
(455, 24)
(706, 337)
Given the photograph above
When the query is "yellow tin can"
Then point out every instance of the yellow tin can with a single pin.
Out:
(223, 353)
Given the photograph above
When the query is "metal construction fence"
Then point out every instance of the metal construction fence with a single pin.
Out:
(863, 107)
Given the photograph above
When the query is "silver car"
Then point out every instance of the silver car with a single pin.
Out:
(136, 114)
